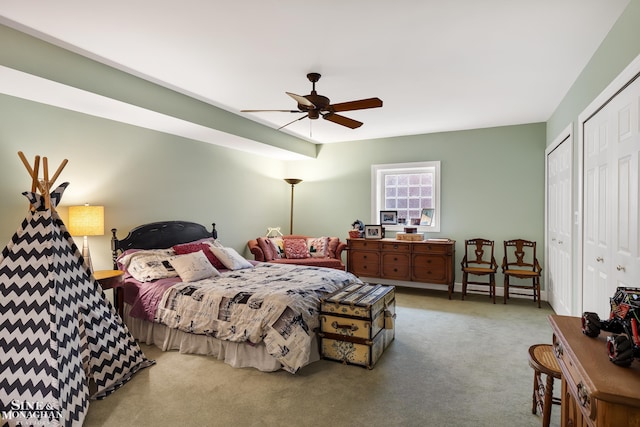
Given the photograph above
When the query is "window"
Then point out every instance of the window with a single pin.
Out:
(411, 189)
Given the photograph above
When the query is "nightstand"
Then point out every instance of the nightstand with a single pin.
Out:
(112, 279)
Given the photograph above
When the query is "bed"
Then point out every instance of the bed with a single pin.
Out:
(248, 314)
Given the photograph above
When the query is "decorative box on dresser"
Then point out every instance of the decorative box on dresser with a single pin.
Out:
(428, 261)
(595, 391)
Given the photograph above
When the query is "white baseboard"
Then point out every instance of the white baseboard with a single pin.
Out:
(457, 287)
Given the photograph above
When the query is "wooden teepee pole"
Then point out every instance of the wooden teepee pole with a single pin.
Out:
(44, 185)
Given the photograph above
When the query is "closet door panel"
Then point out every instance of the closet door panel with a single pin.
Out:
(611, 241)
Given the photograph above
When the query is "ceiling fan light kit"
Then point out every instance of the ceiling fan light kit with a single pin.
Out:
(316, 106)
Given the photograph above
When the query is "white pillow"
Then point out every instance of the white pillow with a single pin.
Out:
(230, 258)
(145, 267)
(194, 266)
(126, 258)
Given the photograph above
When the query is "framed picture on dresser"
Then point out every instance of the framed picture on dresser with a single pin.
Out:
(388, 217)
(373, 232)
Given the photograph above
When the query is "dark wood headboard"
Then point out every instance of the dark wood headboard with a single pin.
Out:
(159, 235)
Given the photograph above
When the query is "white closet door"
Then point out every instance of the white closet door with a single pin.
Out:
(558, 282)
(626, 256)
(610, 240)
(596, 238)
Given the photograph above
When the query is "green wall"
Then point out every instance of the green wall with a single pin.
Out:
(492, 180)
(137, 174)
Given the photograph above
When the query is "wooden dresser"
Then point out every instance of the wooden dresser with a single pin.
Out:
(595, 392)
(414, 261)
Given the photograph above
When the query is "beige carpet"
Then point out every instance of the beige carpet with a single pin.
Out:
(453, 363)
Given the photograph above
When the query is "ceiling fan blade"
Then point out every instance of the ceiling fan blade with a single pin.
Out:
(293, 121)
(263, 111)
(301, 100)
(342, 120)
(360, 104)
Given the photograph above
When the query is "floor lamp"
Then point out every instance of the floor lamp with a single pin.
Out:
(293, 182)
(86, 221)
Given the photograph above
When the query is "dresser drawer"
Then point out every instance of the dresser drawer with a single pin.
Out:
(364, 263)
(396, 247)
(429, 268)
(372, 245)
(576, 385)
(396, 266)
(432, 248)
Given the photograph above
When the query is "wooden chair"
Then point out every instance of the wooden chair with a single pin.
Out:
(543, 361)
(520, 261)
(479, 261)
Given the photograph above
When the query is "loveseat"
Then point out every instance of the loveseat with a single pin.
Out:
(299, 249)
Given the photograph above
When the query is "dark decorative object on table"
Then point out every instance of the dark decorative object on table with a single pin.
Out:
(622, 345)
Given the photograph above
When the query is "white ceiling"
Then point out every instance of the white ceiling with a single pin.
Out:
(437, 66)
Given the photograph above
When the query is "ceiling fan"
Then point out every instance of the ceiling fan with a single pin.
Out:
(315, 105)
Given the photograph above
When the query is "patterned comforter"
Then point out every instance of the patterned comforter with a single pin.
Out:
(275, 303)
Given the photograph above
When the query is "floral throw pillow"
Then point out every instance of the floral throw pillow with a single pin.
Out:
(296, 248)
(318, 247)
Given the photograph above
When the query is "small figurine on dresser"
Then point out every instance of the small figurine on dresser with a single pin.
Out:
(357, 229)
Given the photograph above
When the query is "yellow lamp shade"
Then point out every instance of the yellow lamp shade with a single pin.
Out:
(86, 220)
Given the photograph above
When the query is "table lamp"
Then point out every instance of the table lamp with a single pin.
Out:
(86, 221)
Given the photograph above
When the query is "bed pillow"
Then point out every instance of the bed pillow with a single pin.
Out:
(125, 258)
(296, 248)
(230, 258)
(146, 266)
(277, 246)
(193, 266)
(187, 248)
(318, 247)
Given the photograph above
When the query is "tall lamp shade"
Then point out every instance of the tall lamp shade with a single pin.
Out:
(86, 221)
(293, 182)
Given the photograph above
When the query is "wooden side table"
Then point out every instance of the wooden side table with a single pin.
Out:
(112, 279)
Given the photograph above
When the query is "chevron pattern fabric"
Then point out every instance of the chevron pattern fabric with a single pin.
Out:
(62, 340)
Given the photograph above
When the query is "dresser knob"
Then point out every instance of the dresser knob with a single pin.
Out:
(557, 349)
(583, 394)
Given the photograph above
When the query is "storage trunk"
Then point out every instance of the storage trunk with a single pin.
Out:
(357, 323)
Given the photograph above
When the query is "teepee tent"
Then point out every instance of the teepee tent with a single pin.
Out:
(62, 342)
